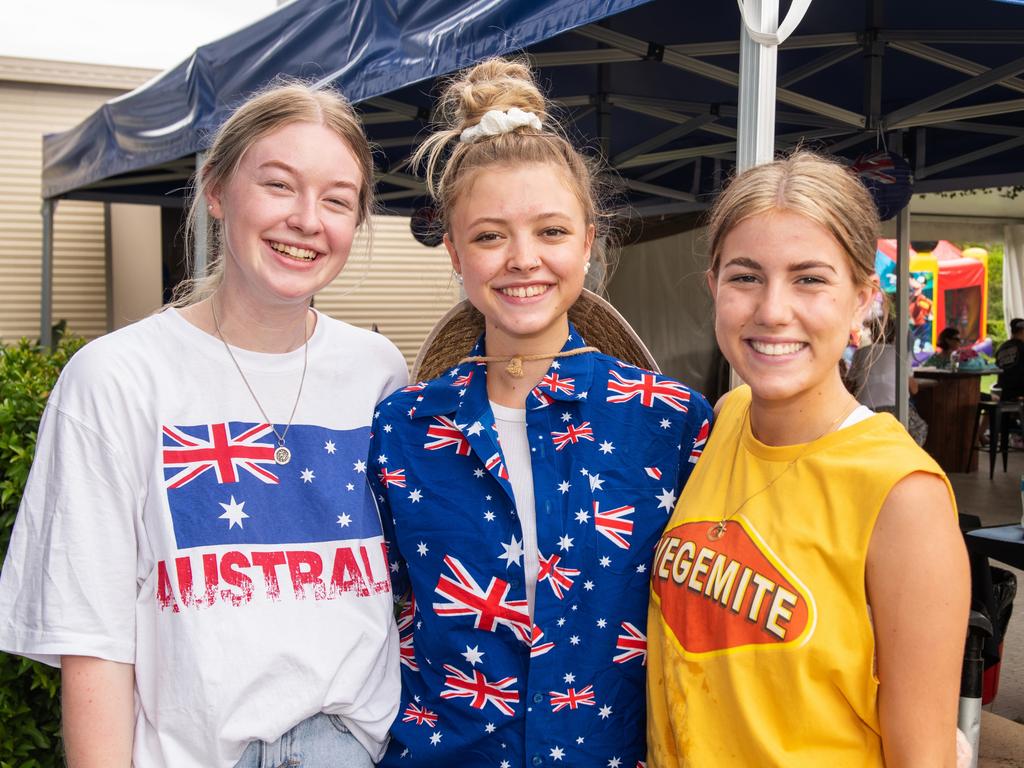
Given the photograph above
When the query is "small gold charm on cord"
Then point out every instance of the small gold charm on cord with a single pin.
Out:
(716, 531)
(515, 367)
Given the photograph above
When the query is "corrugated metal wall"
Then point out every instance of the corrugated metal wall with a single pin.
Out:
(404, 288)
(27, 111)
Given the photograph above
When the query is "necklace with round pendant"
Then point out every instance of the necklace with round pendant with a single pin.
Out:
(282, 455)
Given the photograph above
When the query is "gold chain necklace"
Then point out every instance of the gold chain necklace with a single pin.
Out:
(282, 455)
(717, 531)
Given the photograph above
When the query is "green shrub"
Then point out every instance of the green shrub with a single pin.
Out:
(29, 692)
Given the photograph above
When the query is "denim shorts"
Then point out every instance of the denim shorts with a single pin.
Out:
(322, 741)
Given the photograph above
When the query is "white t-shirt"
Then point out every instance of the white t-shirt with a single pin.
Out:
(157, 530)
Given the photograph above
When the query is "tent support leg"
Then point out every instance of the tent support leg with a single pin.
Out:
(46, 276)
(755, 142)
(903, 371)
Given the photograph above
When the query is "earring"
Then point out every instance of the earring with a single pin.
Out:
(586, 268)
(458, 277)
(209, 207)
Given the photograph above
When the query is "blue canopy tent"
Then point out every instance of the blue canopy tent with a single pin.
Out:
(659, 86)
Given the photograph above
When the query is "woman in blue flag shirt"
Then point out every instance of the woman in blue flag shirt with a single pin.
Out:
(523, 489)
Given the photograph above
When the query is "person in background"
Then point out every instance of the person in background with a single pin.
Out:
(810, 593)
(524, 488)
(947, 343)
(1010, 359)
(872, 378)
(197, 548)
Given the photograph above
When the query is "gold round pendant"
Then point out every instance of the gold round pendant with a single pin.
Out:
(716, 531)
(282, 455)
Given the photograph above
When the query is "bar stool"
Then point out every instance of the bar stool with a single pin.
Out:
(998, 412)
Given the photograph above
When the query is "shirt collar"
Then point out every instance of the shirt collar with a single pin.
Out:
(463, 389)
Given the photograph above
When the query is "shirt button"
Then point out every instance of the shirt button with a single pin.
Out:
(537, 760)
(538, 698)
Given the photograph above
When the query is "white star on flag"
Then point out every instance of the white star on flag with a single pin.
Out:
(478, 472)
(601, 623)
(615, 762)
(574, 640)
(565, 543)
(435, 738)
(382, 459)
(415, 495)
(349, 487)
(666, 499)
(387, 428)
(422, 548)
(569, 677)
(607, 447)
(665, 423)
(233, 513)
(596, 483)
(489, 516)
(605, 712)
(359, 466)
(642, 568)
(489, 728)
(307, 475)
(344, 520)
(579, 739)
(330, 447)
(475, 429)
(473, 655)
(566, 416)
(561, 621)
(557, 753)
(513, 551)
(587, 585)
(564, 486)
(605, 561)
(582, 516)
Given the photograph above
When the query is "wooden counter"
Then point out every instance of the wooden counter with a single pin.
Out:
(948, 401)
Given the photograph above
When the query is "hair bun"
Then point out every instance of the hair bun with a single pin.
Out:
(500, 84)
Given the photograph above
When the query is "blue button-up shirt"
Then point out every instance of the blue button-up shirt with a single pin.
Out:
(483, 684)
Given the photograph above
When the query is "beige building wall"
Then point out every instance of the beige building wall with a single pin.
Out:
(135, 262)
(403, 287)
(38, 97)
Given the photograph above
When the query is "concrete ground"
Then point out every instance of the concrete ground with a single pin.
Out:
(998, 502)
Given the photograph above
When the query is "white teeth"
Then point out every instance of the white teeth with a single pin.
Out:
(296, 253)
(789, 348)
(523, 293)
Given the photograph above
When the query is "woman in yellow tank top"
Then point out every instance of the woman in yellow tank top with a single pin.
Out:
(810, 592)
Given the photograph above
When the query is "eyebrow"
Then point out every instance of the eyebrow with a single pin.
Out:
(289, 169)
(538, 217)
(800, 266)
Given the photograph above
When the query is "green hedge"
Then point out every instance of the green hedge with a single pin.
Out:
(29, 692)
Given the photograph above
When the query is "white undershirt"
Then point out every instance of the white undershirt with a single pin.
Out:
(515, 445)
(858, 414)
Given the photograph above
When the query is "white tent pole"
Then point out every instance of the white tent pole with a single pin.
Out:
(755, 142)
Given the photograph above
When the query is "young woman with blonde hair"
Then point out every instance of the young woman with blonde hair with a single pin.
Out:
(810, 592)
(524, 487)
(196, 547)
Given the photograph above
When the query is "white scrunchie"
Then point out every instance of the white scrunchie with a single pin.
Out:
(496, 121)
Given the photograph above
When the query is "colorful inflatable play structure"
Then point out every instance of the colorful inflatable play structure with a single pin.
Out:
(948, 287)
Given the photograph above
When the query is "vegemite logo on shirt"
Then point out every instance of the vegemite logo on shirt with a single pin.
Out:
(733, 593)
(224, 489)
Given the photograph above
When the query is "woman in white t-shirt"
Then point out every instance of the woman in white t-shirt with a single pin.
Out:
(196, 547)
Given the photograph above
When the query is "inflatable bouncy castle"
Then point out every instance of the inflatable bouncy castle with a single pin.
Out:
(948, 287)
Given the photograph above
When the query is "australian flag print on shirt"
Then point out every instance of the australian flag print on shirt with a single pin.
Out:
(223, 486)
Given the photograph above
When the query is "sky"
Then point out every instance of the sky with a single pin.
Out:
(155, 34)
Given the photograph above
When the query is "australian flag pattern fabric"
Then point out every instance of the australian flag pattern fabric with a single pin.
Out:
(482, 683)
(248, 529)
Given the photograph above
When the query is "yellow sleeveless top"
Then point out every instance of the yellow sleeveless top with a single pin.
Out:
(760, 644)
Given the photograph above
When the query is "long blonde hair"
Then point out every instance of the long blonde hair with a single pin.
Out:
(281, 103)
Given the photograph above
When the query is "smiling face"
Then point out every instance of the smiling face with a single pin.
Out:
(288, 213)
(785, 304)
(518, 236)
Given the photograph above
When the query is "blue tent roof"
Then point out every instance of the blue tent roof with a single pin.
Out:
(651, 83)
